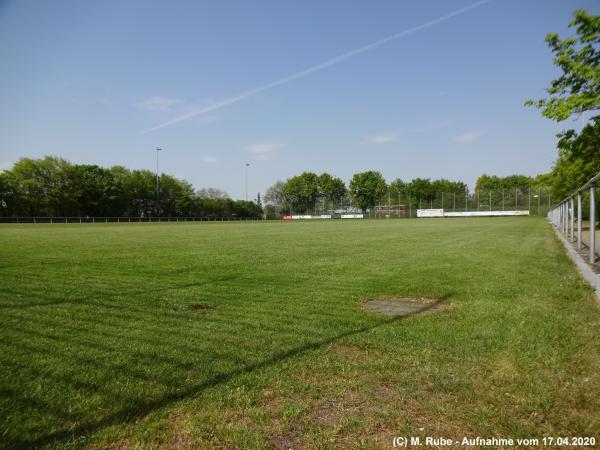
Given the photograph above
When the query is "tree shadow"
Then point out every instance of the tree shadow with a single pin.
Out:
(140, 409)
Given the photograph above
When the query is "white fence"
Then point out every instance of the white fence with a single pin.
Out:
(441, 213)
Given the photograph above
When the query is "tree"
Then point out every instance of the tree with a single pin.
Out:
(448, 187)
(420, 189)
(276, 202)
(175, 196)
(578, 159)
(511, 182)
(367, 188)
(302, 191)
(331, 189)
(96, 192)
(44, 186)
(578, 88)
(396, 189)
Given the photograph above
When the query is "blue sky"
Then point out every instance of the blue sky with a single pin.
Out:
(87, 80)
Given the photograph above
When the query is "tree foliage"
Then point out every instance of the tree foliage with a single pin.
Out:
(52, 186)
(578, 88)
(302, 191)
(511, 182)
(367, 188)
(578, 159)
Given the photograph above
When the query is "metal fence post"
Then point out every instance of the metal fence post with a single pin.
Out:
(593, 223)
(579, 220)
(572, 232)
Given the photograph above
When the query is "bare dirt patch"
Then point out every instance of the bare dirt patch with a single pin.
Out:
(404, 306)
(200, 307)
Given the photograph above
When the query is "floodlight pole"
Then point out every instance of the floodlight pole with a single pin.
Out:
(158, 149)
(247, 164)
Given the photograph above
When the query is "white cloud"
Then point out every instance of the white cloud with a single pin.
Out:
(262, 150)
(210, 159)
(433, 126)
(469, 137)
(158, 103)
(381, 138)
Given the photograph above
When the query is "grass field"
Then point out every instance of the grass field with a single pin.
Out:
(100, 349)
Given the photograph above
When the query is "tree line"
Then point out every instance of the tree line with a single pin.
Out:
(575, 93)
(53, 186)
(310, 192)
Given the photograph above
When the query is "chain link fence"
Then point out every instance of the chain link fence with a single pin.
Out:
(537, 201)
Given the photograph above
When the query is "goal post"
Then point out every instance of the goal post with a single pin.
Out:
(391, 211)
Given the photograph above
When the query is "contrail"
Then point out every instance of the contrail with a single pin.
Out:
(316, 68)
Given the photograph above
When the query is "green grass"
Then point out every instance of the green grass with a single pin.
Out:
(99, 348)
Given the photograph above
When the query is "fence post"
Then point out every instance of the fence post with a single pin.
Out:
(572, 232)
(593, 223)
(566, 219)
(560, 217)
(579, 220)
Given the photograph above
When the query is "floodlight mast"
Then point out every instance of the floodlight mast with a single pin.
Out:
(247, 164)
(158, 149)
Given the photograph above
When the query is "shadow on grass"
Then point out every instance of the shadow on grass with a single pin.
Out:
(124, 293)
(133, 413)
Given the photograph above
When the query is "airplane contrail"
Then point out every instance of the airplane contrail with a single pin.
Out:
(316, 68)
